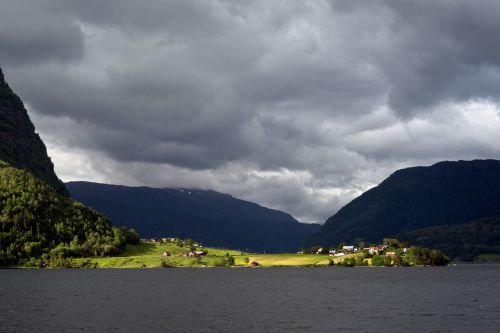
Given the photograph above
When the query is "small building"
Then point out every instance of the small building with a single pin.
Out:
(332, 251)
(166, 254)
(200, 253)
(340, 254)
(348, 249)
(373, 249)
(300, 252)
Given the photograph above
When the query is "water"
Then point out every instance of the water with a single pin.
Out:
(464, 298)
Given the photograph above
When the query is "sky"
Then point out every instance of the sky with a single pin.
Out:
(296, 105)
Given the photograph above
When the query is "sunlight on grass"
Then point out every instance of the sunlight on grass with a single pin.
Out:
(151, 255)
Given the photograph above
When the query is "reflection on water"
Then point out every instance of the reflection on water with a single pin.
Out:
(464, 298)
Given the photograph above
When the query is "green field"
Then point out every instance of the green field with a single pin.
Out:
(151, 255)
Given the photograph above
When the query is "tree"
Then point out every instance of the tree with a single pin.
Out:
(398, 260)
(392, 243)
(132, 237)
(378, 260)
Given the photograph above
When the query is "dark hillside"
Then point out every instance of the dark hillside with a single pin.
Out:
(214, 218)
(415, 198)
(461, 242)
(20, 146)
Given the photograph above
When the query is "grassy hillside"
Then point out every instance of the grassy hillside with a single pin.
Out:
(151, 254)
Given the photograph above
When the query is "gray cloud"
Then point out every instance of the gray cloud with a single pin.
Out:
(35, 32)
(299, 106)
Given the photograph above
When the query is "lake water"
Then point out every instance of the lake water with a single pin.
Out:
(463, 298)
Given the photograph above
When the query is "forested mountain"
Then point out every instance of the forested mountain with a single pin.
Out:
(415, 198)
(461, 242)
(20, 146)
(39, 224)
(214, 218)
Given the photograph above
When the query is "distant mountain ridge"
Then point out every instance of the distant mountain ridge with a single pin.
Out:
(416, 198)
(214, 218)
(20, 145)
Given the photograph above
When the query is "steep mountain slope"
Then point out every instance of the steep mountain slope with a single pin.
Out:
(419, 197)
(211, 217)
(38, 223)
(20, 146)
(462, 242)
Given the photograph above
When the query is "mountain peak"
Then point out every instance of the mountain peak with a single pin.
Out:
(20, 145)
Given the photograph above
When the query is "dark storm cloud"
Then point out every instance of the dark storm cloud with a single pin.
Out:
(439, 51)
(194, 19)
(300, 105)
(36, 32)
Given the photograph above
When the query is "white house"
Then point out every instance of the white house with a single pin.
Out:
(348, 249)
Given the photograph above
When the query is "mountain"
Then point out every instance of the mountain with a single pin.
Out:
(39, 224)
(461, 242)
(20, 146)
(415, 198)
(214, 218)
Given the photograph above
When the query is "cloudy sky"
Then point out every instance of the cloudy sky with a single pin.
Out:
(297, 105)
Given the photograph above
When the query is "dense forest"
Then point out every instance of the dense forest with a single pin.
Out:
(40, 227)
(461, 242)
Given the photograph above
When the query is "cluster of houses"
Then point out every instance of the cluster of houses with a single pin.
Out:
(166, 240)
(191, 254)
(348, 249)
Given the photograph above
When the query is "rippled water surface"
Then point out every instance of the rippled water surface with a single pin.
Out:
(464, 298)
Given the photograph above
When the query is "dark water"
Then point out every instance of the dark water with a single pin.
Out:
(464, 298)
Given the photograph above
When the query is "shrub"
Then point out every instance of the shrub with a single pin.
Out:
(378, 260)
(349, 262)
(225, 261)
(164, 264)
